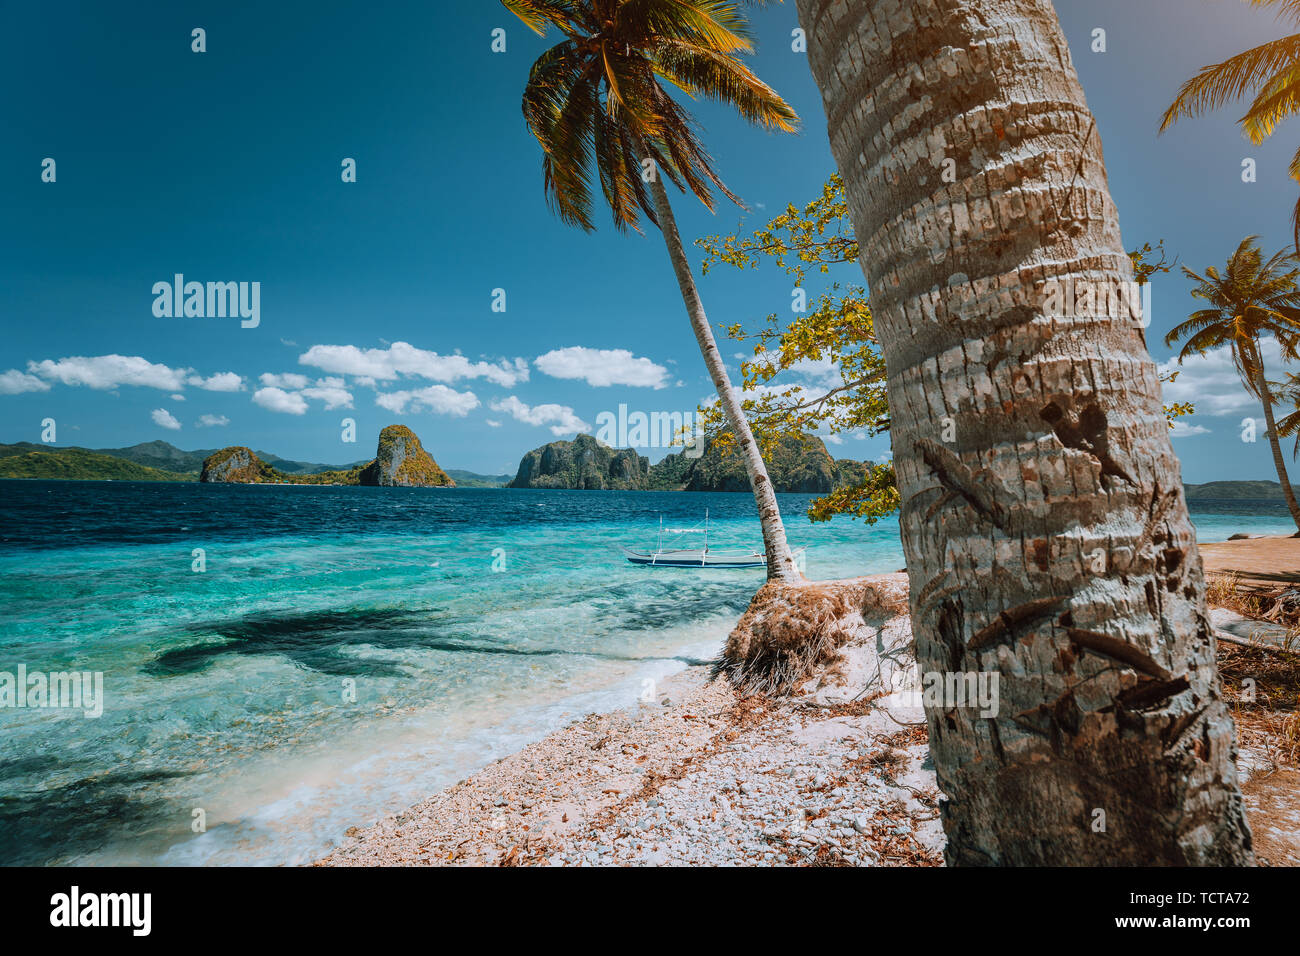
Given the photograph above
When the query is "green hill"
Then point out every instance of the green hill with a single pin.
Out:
(25, 460)
(159, 454)
(472, 479)
(167, 457)
(1235, 489)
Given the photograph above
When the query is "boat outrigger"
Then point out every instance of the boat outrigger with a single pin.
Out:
(704, 557)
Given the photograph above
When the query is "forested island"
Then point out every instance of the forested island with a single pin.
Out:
(796, 465)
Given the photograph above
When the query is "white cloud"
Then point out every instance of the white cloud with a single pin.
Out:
(602, 367)
(435, 398)
(221, 382)
(110, 371)
(13, 382)
(402, 358)
(332, 397)
(492, 423)
(291, 380)
(165, 419)
(1211, 383)
(278, 400)
(113, 371)
(212, 421)
(1183, 429)
(560, 418)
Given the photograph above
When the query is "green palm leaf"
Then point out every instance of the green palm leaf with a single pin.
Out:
(597, 99)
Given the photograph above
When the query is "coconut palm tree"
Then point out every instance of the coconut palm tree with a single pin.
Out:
(1043, 517)
(598, 98)
(1250, 299)
(1289, 392)
(1270, 72)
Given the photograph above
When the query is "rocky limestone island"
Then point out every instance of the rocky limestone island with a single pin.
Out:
(400, 460)
(583, 463)
(795, 464)
(798, 464)
(238, 465)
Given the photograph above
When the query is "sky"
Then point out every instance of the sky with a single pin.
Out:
(376, 297)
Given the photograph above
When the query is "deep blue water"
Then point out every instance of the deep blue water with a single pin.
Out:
(344, 651)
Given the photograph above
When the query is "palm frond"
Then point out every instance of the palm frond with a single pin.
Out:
(597, 98)
(1232, 79)
(699, 70)
(539, 15)
(715, 24)
(1277, 101)
(1288, 8)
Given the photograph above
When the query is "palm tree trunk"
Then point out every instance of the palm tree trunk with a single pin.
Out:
(780, 562)
(1047, 541)
(1279, 461)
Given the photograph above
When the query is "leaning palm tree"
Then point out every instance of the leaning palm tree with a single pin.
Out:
(1043, 515)
(1289, 425)
(1270, 72)
(598, 98)
(1250, 299)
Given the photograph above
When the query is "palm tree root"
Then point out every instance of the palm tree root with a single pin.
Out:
(791, 630)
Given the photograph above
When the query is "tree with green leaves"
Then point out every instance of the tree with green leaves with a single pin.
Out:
(1270, 73)
(1250, 299)
(837, 331)
(597, 104)
(834, 331)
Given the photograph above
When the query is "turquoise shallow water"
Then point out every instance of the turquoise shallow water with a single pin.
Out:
(465, 623)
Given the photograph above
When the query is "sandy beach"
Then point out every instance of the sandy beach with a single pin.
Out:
(836, 774)
(1260, 561)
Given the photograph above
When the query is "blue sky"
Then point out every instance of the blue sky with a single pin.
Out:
(225, 166)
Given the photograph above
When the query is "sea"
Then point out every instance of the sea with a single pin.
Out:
(280, 663)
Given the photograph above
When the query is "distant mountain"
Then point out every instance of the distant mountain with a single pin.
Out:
(471, 479)
(795, 464)
(1235, 489)
(306, 467)
(159, 454)
(27, 460)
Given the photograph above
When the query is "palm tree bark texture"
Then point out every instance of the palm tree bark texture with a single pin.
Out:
(1043, 519)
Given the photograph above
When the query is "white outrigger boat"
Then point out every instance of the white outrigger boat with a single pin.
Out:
(704, 557)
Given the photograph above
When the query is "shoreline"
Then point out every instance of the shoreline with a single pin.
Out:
(700, 775)
(709, 778)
